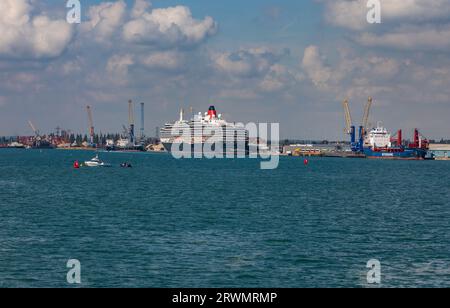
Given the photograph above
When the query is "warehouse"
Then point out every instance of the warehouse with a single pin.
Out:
(440, 151)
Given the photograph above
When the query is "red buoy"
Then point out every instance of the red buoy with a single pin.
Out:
(306, 162)
(76, 165)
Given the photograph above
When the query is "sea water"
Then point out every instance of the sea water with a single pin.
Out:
(222, 223)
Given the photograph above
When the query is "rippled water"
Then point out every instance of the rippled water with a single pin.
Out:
(222, 223)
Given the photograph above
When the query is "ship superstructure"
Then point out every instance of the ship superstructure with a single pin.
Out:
(208, 129)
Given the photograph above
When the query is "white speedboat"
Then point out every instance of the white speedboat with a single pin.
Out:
(16, 145)
(96, 162)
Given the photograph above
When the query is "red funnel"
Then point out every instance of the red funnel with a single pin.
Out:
(212, 113)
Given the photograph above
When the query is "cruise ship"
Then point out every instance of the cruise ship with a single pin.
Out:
(202, 130)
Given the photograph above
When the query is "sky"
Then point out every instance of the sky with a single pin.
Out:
(284, 61)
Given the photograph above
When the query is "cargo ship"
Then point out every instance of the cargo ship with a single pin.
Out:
(201, 130)
(123, 145)
(378, 144)
(42, 144)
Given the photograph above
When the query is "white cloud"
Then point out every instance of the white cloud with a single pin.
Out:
(407, 24)
(25, 35)
(383, 67)
(140, 7)
(168, 27)
(353, 76)
(422, 10)
(253, 73)
(105, 19)
(245, 62)
(118, 66)
(168, 60)
(237, 94)
(315, 67)
(278, 78)
(347, 14)
(22, 82)
(426, 38)
(71, 67)
(352, 14)
(259, 69)
(270, 84)
(370, 66)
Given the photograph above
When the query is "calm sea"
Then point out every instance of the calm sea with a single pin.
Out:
(222, 223)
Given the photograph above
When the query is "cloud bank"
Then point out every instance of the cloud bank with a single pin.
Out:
(166, 57)
(406, 24)
(28, 35)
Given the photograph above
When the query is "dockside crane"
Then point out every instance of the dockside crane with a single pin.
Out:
(91, 126)
(348, 117)
(365, 121)
(35, 131)
(351, 130)
(39, 141)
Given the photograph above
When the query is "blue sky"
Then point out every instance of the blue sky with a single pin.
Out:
(287, 61)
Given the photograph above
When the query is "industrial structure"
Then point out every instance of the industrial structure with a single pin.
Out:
(440, 151)
(91, 127)
(357, 145)
(371, 142)
(378, 143)
(39, 142)
(132, 137)
(128, 140)
(142, 137)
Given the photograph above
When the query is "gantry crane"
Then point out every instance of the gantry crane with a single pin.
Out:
(350, 129)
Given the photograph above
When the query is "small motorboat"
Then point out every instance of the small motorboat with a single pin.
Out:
(126, 165)
(96, 162)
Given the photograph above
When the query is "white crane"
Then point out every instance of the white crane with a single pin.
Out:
(36, 132)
